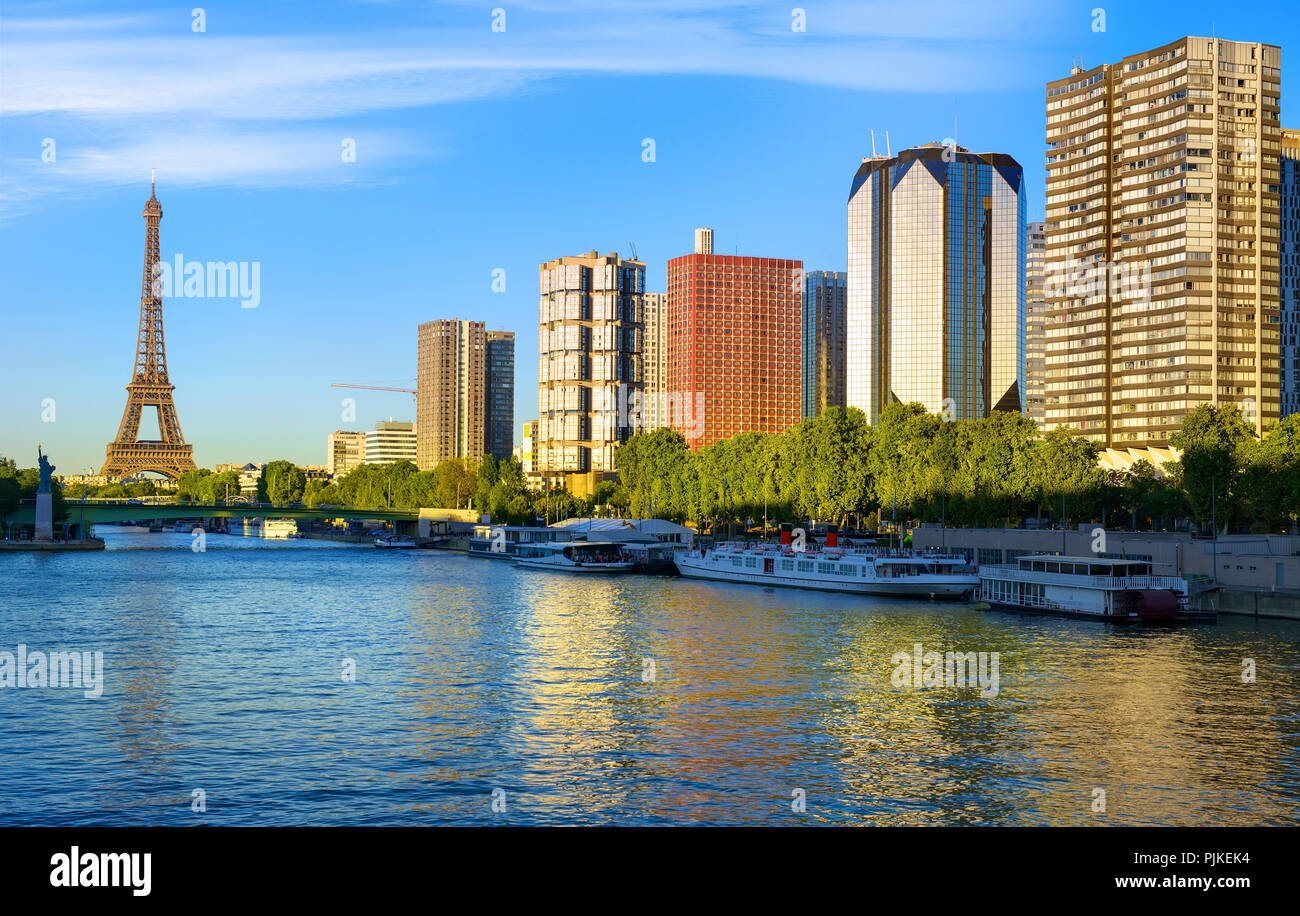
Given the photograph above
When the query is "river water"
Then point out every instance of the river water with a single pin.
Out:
(487, 694)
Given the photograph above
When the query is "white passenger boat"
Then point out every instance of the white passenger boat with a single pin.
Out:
(395, 542)
(892, 573)
(504, 542)
(1095, 588)
(576, 556)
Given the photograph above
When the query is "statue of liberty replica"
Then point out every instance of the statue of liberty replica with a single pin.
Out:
(44, 500)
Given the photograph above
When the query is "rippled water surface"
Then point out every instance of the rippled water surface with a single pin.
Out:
(224, 673)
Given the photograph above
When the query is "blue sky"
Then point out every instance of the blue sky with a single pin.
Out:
(475, 150)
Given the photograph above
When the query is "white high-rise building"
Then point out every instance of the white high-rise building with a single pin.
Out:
(390, 441)
(655, 412)
(589, 367)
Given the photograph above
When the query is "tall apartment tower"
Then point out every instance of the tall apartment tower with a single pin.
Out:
(734, 363)
(1035, 313)
(936, 293)
(1162, 242)
(1290, 257)
(704, 241)
(655, 358)
(825, 341)
(499, 395)
(589, 367)
(450, 400)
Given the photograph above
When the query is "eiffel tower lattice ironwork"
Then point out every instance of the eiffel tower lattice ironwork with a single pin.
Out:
(149, 387)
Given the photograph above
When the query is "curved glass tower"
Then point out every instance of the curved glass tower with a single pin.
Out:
(936, 297)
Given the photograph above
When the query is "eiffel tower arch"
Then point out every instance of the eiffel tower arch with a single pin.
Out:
(149, 387)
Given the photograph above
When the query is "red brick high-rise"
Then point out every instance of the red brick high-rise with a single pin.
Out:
(734, 344)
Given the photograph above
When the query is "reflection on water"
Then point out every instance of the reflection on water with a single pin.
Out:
(224, 672)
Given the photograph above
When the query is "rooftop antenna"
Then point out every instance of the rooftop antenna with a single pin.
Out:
(633, 244)
(887, 152)
(873, 144)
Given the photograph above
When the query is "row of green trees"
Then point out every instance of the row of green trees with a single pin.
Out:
(486, 485)
(988, 472)
(911, 465)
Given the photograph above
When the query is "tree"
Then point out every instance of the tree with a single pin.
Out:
(190, 485)
(453, 483)
(219, 487)
(1269, 486)
(1067, 472)
(9, 495)
(281, 482)
(901, 441)
(1212, 440)
(660, 474)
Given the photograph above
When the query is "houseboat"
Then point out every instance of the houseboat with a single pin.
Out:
(889, 573)
(577, 557)
(1092, 588)
(504, 542)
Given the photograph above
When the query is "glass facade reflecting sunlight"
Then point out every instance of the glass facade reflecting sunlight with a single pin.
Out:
(936, 299)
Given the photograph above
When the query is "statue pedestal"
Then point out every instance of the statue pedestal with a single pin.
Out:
(44, 517)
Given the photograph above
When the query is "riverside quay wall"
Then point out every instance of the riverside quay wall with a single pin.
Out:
(1256, 574)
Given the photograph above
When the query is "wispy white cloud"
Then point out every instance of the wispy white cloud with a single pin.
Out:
(267, 108)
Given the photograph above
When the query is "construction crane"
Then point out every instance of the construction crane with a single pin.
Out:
(411, 391)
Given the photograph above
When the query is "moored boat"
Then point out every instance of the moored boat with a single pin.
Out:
(887, 573)
(1093, 588)
(395, 542)
(506, 542)
(576, 556)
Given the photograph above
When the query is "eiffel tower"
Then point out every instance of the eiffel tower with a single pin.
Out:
(149, 387)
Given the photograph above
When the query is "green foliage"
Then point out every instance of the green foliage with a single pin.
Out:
(1214, 442)
(1269, 484)
(9, 489)
(987, 472)
(281, 482)
(219, 487)
(189, 488)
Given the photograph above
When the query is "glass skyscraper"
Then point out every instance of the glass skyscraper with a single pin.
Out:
(936, 296)
(825, 301)
(1289, 251)
(499, 395)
